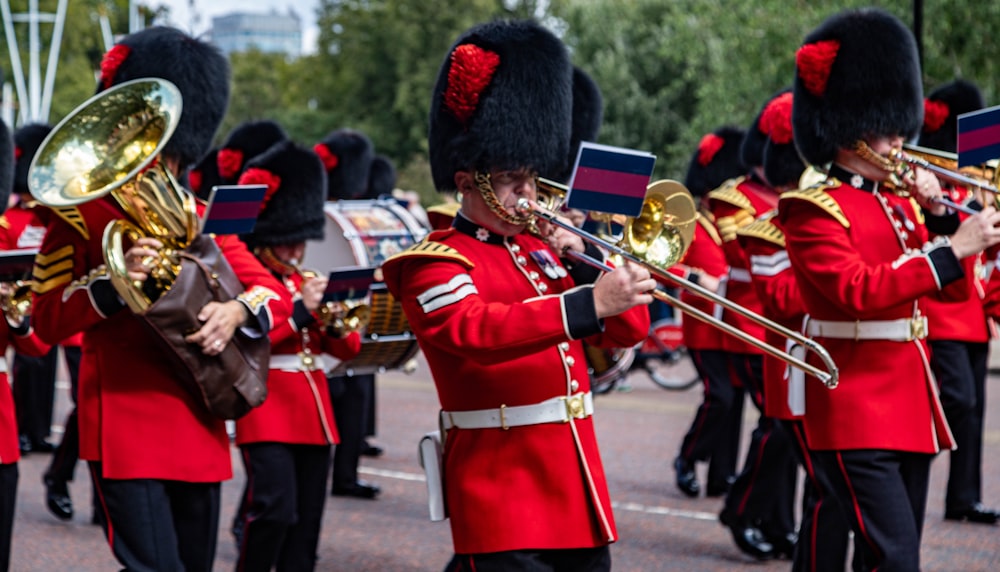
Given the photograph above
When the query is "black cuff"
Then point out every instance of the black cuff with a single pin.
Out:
(300, 315)
(21, 329)
(946, 265)
(942, 225)
(581, 315)
(581, 272)
(106, 299)
(694, 278)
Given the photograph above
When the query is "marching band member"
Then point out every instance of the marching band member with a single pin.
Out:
(864, 267)
(243, 143)
(285, 443)
(762, 483)
(712, 436)
(957, 332)
(501, 321)
(157, 454)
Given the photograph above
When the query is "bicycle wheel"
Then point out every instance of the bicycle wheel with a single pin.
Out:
(672, 370)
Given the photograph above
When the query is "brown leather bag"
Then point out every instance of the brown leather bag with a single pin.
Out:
(233, 382)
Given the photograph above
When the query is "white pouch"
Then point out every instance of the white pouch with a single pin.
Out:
(429, 452)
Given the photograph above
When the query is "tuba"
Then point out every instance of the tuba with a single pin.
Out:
(111, 145)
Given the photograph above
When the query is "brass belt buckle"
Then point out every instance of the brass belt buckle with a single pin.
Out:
(918, 328)
(574, 407)
(308, 361)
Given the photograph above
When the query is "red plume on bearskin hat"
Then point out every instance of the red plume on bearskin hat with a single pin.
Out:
(716, 160)
(347, 156)
(243, 143)
(292, 210)
(197, 68)
(752, 148)
(941, 111)
(6, 165)
(856, 75)
(27, 140)
(782, 164)
(503, 99)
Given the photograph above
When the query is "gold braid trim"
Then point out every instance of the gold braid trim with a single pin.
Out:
(709, 227)
(4, 223)
(431, 249)
(257, 298)
(729, 194)
(52, 270)
(765, 230)
(73, 217)
(818, 196)
(918, 212)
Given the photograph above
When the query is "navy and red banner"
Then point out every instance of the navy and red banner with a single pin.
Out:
(978, 136)
(233, 209)
(610, 179)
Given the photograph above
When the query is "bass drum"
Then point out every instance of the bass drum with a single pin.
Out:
(365, 233)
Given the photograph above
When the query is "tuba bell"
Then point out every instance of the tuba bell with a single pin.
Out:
(111, 145)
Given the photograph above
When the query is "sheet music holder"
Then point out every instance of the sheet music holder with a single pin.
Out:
(17, 264)
(349, 283)
(232, 209)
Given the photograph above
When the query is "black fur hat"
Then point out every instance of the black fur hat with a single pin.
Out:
(292, 210)
(27, 140)
(6, 165)
(941, 110)
(197, 68)
(856, 75)
(716, 160)
(243, 143)
(782, 165)
(381, 177)
(347, 155)
(588, 113)
(205, 175)
(503, 99)
(752, 148)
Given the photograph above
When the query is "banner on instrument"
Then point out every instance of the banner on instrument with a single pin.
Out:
(610, 179)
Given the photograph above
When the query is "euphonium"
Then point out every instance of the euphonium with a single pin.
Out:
(15, 302)
(342, 317)
(111, 144)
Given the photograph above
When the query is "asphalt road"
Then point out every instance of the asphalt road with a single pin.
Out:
(639, 432)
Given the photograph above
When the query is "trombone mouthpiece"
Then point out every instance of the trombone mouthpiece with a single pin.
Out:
(523, 207)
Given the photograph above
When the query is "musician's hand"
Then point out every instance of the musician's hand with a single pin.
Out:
(927, 190)
(312, 292)
(140, 259)
(220, 320)
(558, 238)
(976, 233)
(624, 288)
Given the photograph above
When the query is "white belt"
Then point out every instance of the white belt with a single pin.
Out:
(556, 410)
(297, 362)
(3, 364)
(902, 330)
(739, 275)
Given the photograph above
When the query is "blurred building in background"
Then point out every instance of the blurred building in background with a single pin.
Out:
(271, 32)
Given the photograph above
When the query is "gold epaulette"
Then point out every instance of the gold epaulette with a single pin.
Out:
(431, 249)
(764, 229)
(729, 193)
(709, 226)
(447, 209)
(4, 223)
(73, 217)
(818, 196)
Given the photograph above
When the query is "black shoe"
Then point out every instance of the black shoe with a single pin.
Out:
(976, 513)
(57, 498)
(371, 450)
(42, 447)
(24, 444)
(687, 480)
(784, 545)
(360, 489)
(716, 490)
(748, 539)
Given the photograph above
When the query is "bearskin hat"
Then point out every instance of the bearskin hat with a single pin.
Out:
(752, 148)
(782, 164)
(347, 156)
(6, 165)
(381, 177)
(503, 99)
(941, 110)
(197, 68)
(716, 160)
(292, 209)
(856, 75)
(205, 175)
(588, 114)
(27, 140)
(244, 143)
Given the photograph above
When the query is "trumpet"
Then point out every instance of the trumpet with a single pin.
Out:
(15, 300)
(658, 239)
(340, 317)
(945, 166)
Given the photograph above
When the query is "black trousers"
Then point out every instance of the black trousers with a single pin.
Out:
(711, 436)
(763, 494)
(570, 560)
(8, 499)
(350, 397)
(884, 495)
(282, 505)
(67, 453)
(157, 525)
(960, 368)
(34, 390)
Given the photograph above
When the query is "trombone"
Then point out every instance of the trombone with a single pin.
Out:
(657, 239)
(945, 166)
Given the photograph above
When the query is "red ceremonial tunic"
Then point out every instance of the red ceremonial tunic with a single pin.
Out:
(27, 344)
(705, 254)
(134, 416)
(863, 255)
(737, 203)
(496, 330)
(773, 279)
(297, 408)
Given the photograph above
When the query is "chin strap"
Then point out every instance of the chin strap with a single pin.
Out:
(897, 170)
(485, 186)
